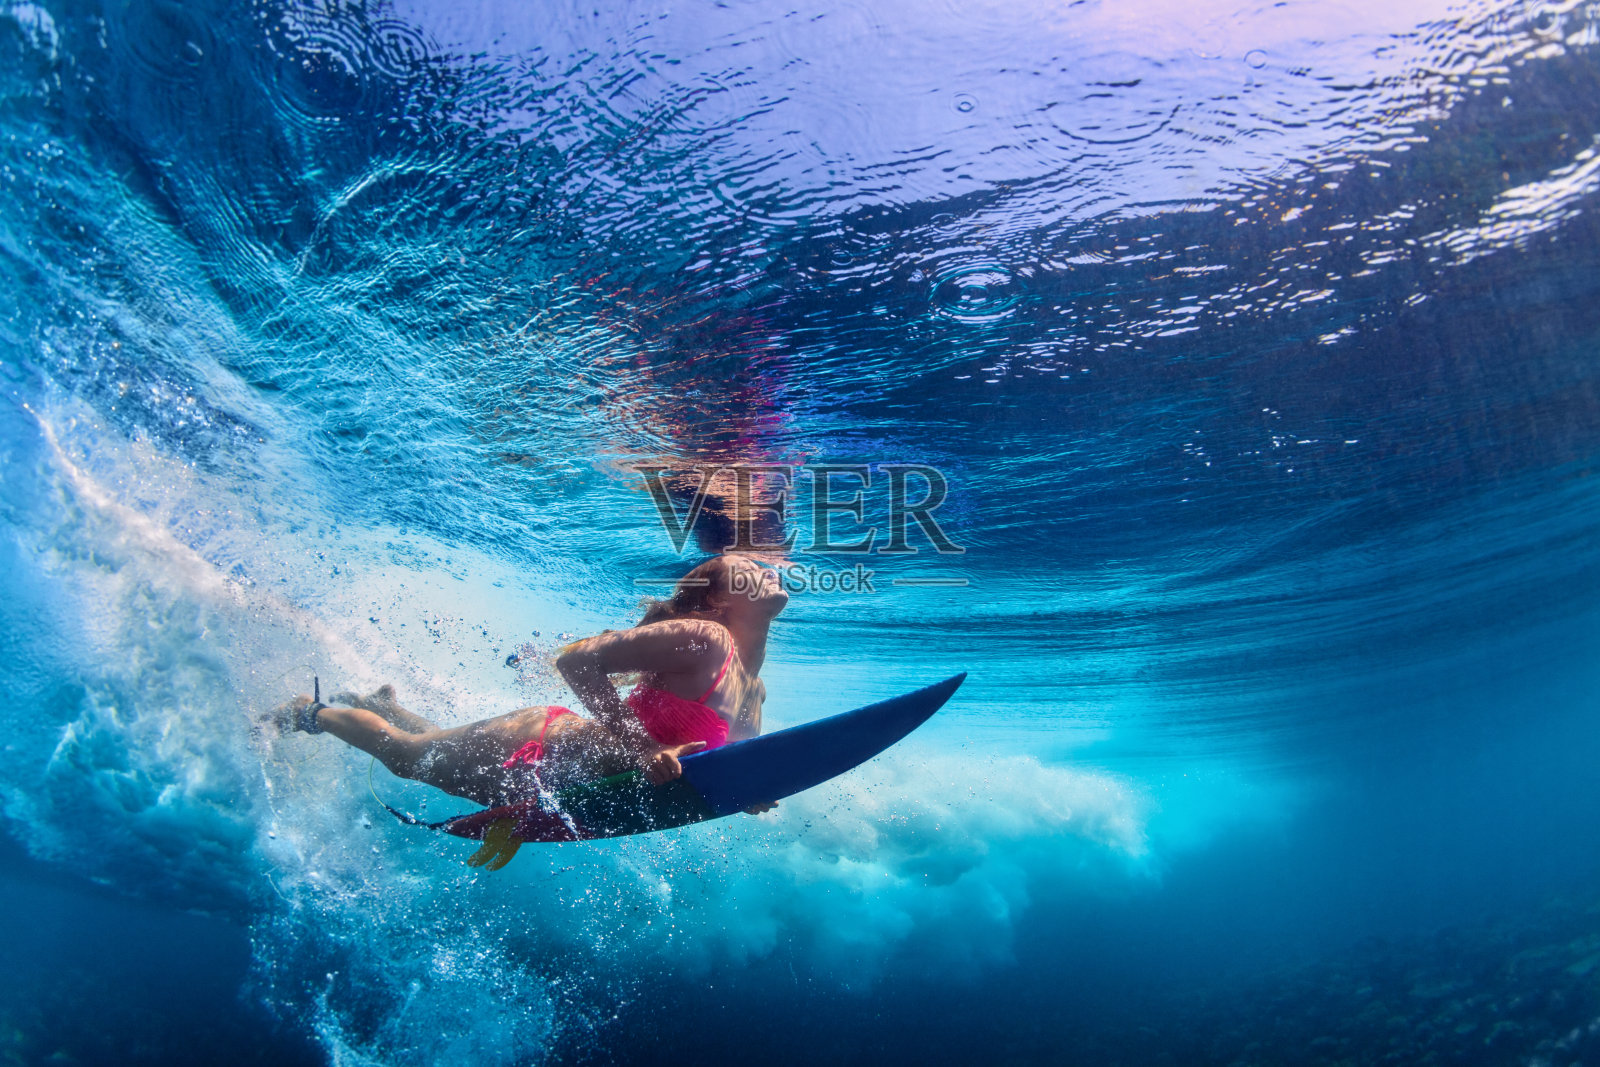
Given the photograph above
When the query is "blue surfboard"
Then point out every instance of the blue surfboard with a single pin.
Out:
(715, 783)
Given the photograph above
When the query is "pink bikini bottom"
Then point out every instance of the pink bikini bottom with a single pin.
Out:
(532, 752)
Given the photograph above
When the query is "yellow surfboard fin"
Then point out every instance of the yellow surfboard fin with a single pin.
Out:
(499, 847)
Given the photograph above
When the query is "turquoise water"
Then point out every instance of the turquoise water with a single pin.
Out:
(1256, 349)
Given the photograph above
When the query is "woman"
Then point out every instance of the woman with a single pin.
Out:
(699, 654)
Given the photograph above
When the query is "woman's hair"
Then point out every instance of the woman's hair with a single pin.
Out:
(693, 593)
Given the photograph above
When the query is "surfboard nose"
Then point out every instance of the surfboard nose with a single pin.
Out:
(777, 765)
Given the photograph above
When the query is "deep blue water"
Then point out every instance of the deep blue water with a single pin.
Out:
(1259, 348)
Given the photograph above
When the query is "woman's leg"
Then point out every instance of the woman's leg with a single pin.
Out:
(466, 761)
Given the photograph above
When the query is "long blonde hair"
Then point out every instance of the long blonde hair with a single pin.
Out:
(692, 595)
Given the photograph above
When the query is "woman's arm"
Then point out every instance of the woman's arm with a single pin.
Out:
(748, 724)
(672, 647)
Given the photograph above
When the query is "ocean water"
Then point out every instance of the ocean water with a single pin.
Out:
(1256, 348)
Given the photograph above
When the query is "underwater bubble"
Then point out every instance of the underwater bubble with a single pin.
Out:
(976, 294)
(966, 103)
(1255, 59)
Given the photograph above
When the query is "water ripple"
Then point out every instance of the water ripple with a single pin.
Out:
(978, 293)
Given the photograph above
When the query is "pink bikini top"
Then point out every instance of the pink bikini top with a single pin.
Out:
(675, 720)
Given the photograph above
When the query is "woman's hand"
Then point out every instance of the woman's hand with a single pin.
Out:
(758, 809)
(662, 766)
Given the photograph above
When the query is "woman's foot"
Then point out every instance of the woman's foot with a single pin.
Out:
(382, 702)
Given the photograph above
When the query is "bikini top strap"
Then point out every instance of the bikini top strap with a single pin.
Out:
(723, 673)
